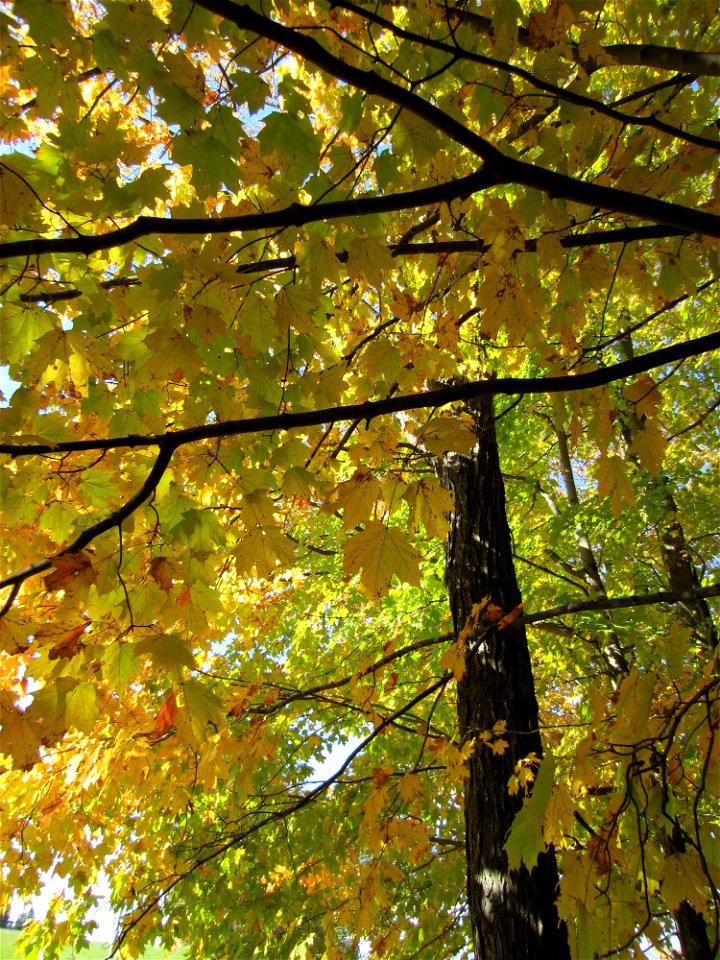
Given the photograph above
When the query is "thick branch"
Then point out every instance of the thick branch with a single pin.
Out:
(457, 52)
(509, 386)
(169, 442)
(505, 169)
(296, 215)
(616, 54)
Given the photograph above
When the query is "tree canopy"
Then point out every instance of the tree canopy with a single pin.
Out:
(263, 267)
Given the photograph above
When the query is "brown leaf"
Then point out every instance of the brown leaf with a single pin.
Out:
(70, 569)
(69, 645)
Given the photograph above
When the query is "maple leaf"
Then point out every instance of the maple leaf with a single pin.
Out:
(263, 549)
(505, 304)
(443, 434)
(683, 878)
(613, 482)
(381, 552)
(81, 707)
(21, 738)
(165, 719)
(356, 497)
(649, 445)
(525, 840)
(454, 658)
(643, 393)
(69, 645)
(431, 504)
(72, 571)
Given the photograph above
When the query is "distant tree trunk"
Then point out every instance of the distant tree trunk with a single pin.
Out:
(513, 913)
(682, 577)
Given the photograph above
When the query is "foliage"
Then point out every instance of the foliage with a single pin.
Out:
(93, 951)
(256, 259)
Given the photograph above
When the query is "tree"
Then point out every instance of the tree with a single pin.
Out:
(293, 296)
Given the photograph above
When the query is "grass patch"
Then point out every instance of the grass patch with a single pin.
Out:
(93, 951)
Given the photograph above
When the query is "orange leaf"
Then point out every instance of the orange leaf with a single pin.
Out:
(493, 613)
(165, 720)
(509, 617)
(68, 646)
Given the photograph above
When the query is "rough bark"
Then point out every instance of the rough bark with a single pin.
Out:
(513, 913)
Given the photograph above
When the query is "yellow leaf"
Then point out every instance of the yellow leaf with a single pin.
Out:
(381, 552)
(649, 445)
(633, 706)
(185, 74)
(644, 395)
(16, 198)
(444, 434)
(263, 549)
(356, 497)
(20, 736)
(202, 708)
(430, 502)
(168, 652)
(72, 570)
(551, 27)
(454, 659)
(367, 257)
(292, 310)
(505, 305)
(684, 879)
(410, 787)
(613, 482)
(81, 712)
(257, 508)
(560, 814)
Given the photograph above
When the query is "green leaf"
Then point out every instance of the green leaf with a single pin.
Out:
(168, 651)
(120, 665)
(525, 841)
(81, 708)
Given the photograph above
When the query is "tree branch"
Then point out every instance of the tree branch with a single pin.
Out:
(169, 442)
(292, 808)
(508, 386)
(167, 448)
(618, 603)
(455, 51)
(616, 54)
(402, 249)
(296, 215)
(504, 169)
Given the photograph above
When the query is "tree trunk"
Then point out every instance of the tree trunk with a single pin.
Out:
(513, 913)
